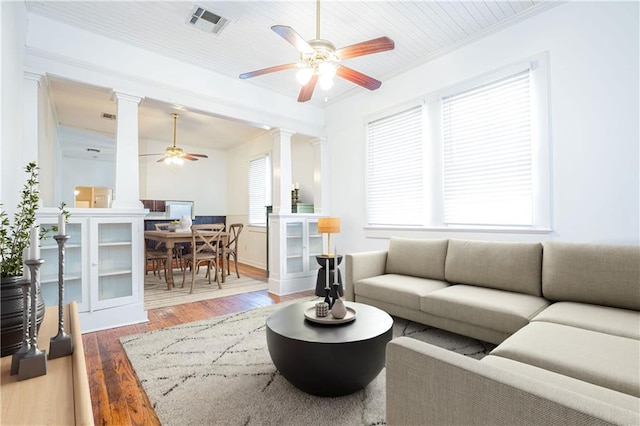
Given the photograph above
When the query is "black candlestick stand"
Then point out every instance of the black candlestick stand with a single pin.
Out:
(61, 344)
(16, 357)
(34, 362)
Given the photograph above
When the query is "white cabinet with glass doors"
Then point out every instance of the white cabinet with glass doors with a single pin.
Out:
(103, 270)
(294, 243)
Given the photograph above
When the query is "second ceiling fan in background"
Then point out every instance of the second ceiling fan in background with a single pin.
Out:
(174, 154)
(320, 60)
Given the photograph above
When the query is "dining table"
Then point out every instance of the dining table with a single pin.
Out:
(171, 238)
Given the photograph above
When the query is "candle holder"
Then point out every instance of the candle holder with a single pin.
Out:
(61, 344)
(16, 357)
(34, 362)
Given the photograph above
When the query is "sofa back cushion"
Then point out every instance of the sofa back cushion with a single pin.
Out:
(504, 266)
(416, 257)
(592, 273)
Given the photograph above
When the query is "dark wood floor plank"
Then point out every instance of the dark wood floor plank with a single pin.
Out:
(116, 393)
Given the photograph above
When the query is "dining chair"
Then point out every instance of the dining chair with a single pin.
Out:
(178, 249)
(157, 258)
(232, 246)
(205, 248)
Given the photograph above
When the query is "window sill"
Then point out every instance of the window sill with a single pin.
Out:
(386, 232)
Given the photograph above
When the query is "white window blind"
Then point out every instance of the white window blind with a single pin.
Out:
(488, 154)
(395, 169)
(259, 190)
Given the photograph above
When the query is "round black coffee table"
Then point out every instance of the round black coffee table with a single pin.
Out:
(329, 360)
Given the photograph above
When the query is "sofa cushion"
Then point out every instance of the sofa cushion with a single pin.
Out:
(616, 321)
(485, 307)
(589, 273)
(609, 396)
(418, 258)
(505, 266)
(599, 358)
(399, 290)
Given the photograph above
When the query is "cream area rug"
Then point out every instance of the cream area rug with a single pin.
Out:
(218, 372)
(156, 294)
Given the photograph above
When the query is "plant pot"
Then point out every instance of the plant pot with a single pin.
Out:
(11, 311)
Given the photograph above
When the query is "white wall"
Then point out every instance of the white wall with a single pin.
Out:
(253, 243)
(302, 167)
(204, 181)
(13, 27)
(594, 88)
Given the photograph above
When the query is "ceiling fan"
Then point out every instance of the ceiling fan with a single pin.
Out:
(174, 154)
(320, 60)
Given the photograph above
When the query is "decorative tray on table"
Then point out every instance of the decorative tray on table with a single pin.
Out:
(310, 314)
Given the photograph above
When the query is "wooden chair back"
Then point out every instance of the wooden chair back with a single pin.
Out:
(234, 235)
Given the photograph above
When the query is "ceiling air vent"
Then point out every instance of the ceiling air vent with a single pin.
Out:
(207, 21)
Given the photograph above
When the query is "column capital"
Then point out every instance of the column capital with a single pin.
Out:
(37, 76)
(118, 95)
(279, 133)
(318, 141)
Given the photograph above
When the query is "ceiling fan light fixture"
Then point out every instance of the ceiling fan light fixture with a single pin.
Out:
(174, 160)
(304, 74)
(327, 70)
(326, 83)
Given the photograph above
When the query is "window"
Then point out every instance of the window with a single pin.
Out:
(394, 171)
(259, 190)
(474, 155)
(488, 155)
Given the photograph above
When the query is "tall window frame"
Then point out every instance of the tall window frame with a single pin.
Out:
(259, 189)
(394, 168)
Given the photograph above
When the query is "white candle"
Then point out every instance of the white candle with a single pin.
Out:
(61, 224)
(326, 266)
(26, 274)
(335, 266)
(34, 241)
(297, 185)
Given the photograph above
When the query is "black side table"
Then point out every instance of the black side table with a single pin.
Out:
(321, 282)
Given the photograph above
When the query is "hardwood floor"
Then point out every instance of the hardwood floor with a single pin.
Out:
(116, 394)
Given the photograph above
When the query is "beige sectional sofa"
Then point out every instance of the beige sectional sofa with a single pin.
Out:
(565, 318)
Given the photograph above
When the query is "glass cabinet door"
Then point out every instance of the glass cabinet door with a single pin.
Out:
(295, 247)
(115, 275)
(315, 244)
(73, 263)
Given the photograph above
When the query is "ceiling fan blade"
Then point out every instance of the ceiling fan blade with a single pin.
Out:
(268, 70)
(358, 78)
(307, 89)
(146, 155)
(197, 155)
(162, 159)
(293, 37)
(189, 157)
(376, 45)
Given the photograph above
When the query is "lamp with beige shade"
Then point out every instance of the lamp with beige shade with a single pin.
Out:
(328, 225)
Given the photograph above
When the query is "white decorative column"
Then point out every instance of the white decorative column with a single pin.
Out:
(281, 171)
(321, 180)
(31, 121)
(126, 194)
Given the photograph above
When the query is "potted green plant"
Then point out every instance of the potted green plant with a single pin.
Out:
(14, 239)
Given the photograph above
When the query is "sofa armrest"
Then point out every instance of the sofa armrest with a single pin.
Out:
(362, 265)
(430, 385)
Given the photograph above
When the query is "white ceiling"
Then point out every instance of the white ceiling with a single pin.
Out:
(421, 30)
